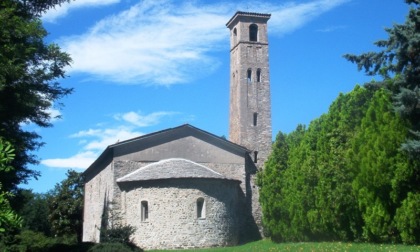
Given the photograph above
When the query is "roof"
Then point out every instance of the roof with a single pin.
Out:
(248, 14)
(173, 168)
(220, 141)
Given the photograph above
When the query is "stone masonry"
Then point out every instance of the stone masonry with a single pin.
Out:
(250, 102)
(173, 222)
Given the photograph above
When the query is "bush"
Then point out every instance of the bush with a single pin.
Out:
(80, 247)
(29, 240)
(117, 235)
(112, 247)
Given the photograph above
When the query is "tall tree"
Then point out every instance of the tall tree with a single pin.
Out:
(66, 206)
(400, 57)
(306, 186)
(269, 180)
(376, 161)
(29, 70)
(35, 211)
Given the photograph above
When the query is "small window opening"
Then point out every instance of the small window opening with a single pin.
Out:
(144, 211)
(234, 36)
(201, 208)
(253, 32)
(255, 156)
(255, 119)
(259, 75)
(249, 76)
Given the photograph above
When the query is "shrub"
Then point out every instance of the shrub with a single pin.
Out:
(119, 234)
(112, 247)
(29, 240)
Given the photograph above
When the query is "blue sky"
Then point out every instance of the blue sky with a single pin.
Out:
(143, 66)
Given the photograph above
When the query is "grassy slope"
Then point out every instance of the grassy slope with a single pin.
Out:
(268, 246)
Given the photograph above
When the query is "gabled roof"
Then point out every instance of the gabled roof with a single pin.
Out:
(185, 128)
(173, 168)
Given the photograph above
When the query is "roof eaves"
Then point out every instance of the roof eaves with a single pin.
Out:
(249, 14)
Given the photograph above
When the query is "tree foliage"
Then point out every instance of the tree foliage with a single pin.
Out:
(8, 218)
(34, 212)
(344, 177)
(66, 206)
(376, 158)
(29, 70)
(400, 57)
(354, 173)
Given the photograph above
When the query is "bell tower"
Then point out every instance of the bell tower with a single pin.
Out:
(250, 103)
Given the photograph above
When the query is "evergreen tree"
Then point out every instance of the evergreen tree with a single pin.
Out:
(400, 57)
(270, 182)
(377, 158)
(306, 186)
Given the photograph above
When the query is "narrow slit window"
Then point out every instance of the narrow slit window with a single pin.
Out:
(144, 211)
(253, 32)
(235, 34)
(255, 119)
(201, 208)
(249, 76)
(255, 156)
(259, 75)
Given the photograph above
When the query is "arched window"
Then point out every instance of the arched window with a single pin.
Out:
(201, 208)
(249, 76)
(253, 32)
(144, 211)
(255, 119)
(258, 75)
(255, 156)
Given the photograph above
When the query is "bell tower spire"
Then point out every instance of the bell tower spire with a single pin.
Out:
(250, 102)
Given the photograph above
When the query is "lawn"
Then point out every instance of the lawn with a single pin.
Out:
(269, 246)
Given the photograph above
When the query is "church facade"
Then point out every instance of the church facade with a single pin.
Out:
(184, 187)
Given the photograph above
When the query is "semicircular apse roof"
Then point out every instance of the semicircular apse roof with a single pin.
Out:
(173, 168)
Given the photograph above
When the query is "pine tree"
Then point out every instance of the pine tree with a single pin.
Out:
(400, 58)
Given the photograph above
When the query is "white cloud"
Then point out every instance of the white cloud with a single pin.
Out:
(331, 28)
(62, 10)
(79, 161)
(111, 136)
(161, 42)
(55, 114)
(94, 141)
(292, 16)
(143, 120)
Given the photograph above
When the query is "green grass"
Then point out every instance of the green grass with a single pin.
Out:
(269, 246)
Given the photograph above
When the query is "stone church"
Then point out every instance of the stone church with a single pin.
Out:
(184, 187)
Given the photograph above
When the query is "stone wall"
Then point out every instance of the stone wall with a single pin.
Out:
(172, 213)
(98, 195)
